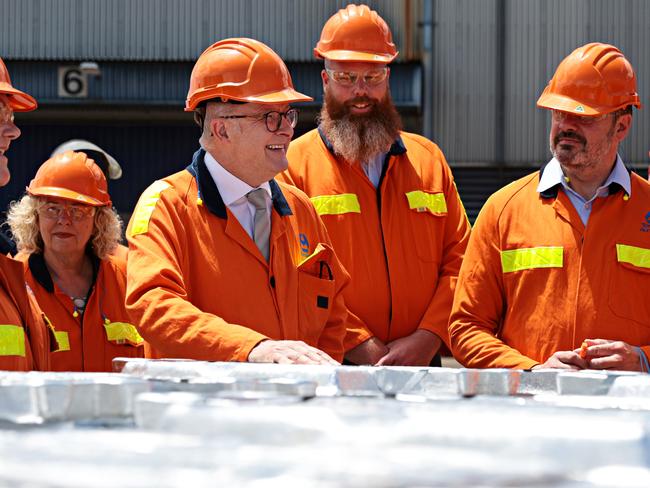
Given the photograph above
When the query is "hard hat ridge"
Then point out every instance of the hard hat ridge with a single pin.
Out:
(593, 80)
(244, 70)
(71, 176)
(356, 33)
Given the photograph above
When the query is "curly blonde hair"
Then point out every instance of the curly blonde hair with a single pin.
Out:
(23, 222)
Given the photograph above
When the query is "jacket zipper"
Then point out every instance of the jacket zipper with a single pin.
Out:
(384, 170)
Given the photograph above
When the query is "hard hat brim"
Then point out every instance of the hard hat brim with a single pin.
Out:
(565, 104)
(344, 55)
(288, 95)
(18, 101)
(65, 194)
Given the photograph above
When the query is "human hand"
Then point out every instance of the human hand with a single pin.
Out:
(607, 354)
(416, 349)
(368, 352)
(288, 352)
(564, 360)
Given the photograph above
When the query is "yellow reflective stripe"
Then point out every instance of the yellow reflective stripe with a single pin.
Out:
(423, 201)
(336, 204)
(63, 340)
(636, 256)
(531, 258)
(122, 332)
(12, 340)
(146, 206)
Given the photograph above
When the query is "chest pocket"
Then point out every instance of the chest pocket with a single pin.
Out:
(336, 204)
(121, 333)
(315, 293)
(62, 340)
(428, 214)
(629, 284)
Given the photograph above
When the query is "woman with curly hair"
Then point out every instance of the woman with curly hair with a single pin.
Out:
(67, 233)
(107, 163)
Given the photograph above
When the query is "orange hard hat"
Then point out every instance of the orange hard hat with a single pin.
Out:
(356, 33)
(18, 101)
(595, 79)
(241, 69)
(71, 176)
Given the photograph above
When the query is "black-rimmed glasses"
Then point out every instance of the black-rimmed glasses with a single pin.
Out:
(273, 119)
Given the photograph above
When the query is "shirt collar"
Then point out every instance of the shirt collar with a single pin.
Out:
(552, 176)
(230, 187)
(209, 193)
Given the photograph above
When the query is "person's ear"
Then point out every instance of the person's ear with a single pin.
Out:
(325, 78)
(218, 129)
(623, 124)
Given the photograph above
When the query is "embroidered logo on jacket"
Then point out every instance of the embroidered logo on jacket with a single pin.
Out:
(304, 245)
(645, 226)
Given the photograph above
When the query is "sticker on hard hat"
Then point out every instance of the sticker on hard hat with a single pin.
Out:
(580, 109)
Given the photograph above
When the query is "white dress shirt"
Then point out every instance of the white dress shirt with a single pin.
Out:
(233, 191)
(553, 175)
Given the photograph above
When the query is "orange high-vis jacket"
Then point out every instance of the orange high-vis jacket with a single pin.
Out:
(25, 337)
(199, 288)
(535, 280)
(90, 340)
(402, 242)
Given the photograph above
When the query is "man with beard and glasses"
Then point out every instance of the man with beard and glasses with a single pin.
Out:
(387, 197)
(557, 270)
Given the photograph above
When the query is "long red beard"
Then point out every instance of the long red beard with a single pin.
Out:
(359, 138)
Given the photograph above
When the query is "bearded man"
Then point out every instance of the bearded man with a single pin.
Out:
(557, 270)
(387, 198)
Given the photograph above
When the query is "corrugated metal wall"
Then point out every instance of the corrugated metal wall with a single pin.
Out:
(163, 83)
(150, 30)
(490, 60)
(540, 35)
(536, 36)
(463, 77)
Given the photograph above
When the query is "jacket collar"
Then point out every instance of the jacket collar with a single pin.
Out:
(7, 245)
(396, 148)
(209, 193)
(551, 191)
(41, 274)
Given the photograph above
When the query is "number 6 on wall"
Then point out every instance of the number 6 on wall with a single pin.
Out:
(73, 82)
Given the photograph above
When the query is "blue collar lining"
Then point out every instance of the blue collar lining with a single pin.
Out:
(209, 193)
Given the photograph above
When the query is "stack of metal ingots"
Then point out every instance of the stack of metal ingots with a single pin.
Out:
(187, 423)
